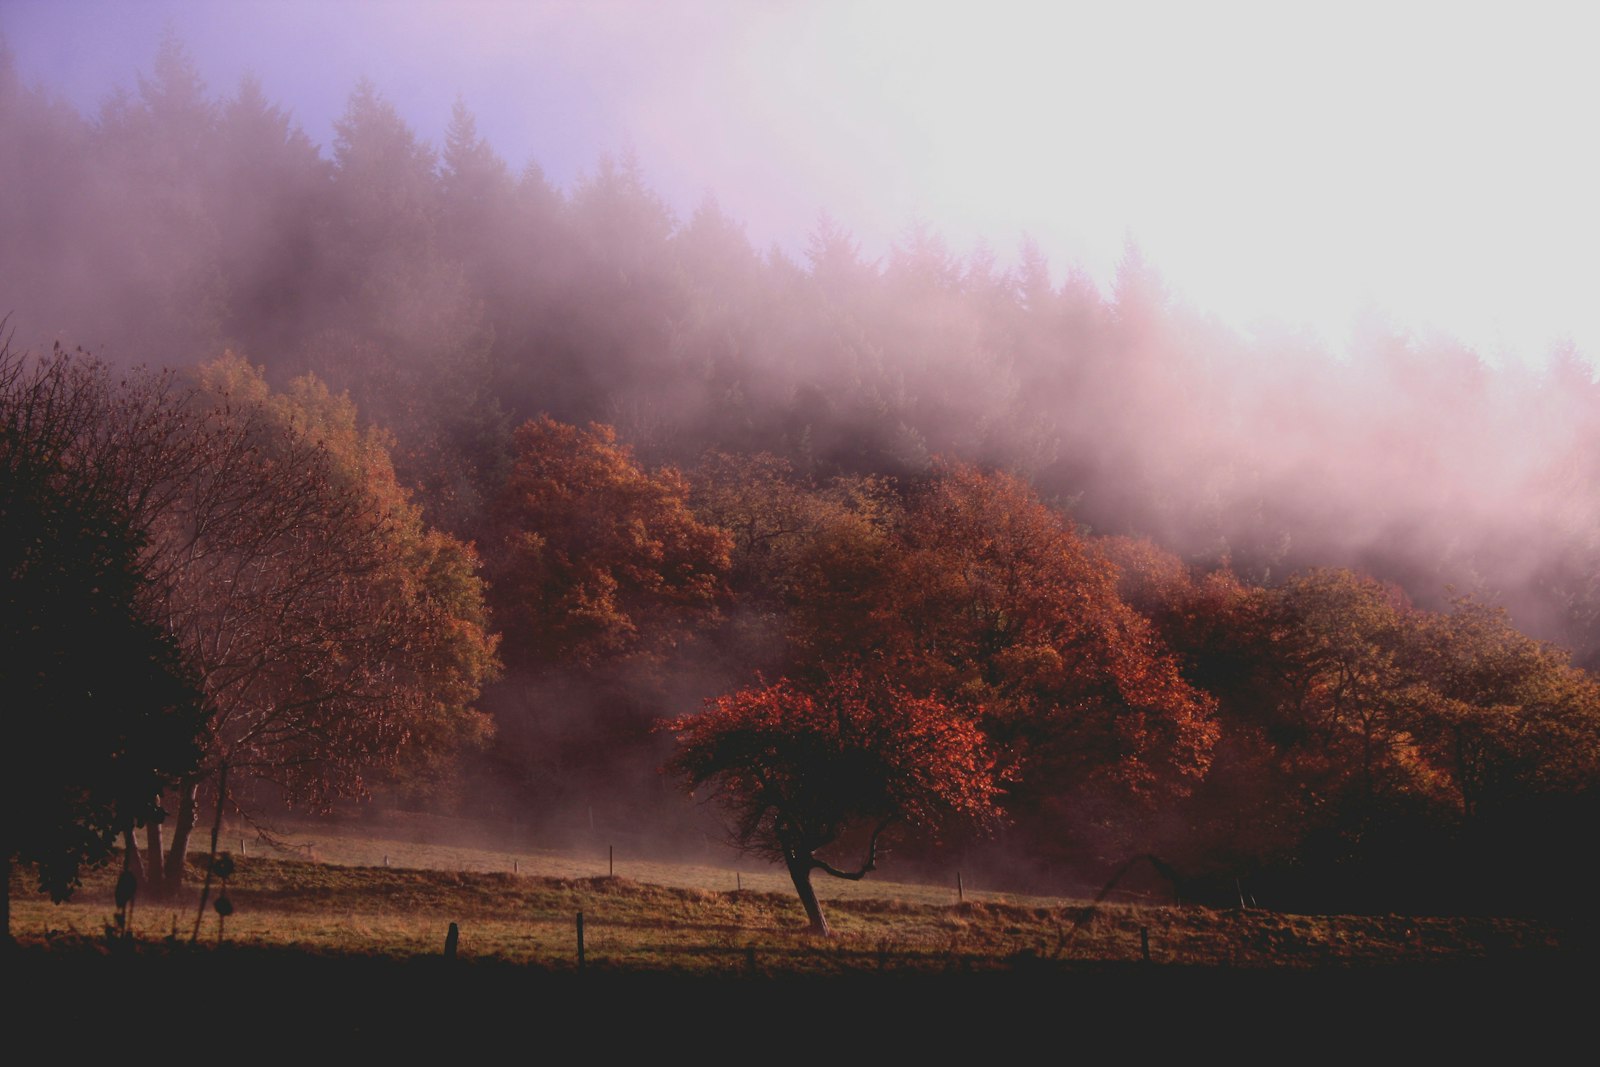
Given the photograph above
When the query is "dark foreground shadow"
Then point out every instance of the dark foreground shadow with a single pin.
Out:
(70, 999)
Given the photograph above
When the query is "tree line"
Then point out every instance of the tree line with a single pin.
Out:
(455, 297)
(224, 593)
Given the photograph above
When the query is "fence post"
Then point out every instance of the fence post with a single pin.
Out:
(580, 941)
(451, 938)
(961, 893)
(1144, 942)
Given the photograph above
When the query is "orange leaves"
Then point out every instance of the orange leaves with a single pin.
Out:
(999, 594)
(334, 630)
(596, 557)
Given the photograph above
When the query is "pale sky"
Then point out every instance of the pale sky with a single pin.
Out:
(1433, 162)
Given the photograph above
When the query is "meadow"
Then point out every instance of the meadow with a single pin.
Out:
(390, 892)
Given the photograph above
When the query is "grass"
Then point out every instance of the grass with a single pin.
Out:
(683, 918)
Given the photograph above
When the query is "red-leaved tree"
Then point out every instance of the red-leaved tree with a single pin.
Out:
(799, 770)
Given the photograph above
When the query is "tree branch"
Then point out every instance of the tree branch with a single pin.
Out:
(872, 858)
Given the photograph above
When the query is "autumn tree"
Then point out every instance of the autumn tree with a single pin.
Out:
(602, 579)
(1346, 648)
(1265, 793)
(444, 649)
(804, 550)
(596, 558)
(996, 602)
(330, 629)
(1365, 742)
(1515, 727)
(101, 711)
(800, 770)
(1428, 741)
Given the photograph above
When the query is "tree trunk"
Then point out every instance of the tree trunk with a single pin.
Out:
(800, 871)
(182, 827)
(150, 874)
(211, 856)
(131, 860)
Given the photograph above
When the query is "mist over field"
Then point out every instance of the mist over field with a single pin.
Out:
(788, 326)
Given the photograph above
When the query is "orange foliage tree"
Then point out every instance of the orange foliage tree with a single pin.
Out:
(806, 554)
(996, 602)
(335, 635)
(799, 770)
(595, 557)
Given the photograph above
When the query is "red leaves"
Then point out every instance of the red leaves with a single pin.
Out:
(796, 768)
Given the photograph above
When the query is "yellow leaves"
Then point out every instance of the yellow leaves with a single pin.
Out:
(371, 625)
(235, 379)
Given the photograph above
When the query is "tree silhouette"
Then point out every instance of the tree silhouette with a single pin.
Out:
(101, 712)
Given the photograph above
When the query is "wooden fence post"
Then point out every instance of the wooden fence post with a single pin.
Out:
(580, 941)
(961, 893)
(451, 938)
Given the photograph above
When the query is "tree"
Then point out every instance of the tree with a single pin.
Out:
(331, 630)
(476, 192)
(799, 771)
(158, 266)
(437, 620)
(1509, 717)
(1346, 644)
(407, 335)
(101, 712)
(800, 548)
(996, 602)
(596, 558)
(270, 205)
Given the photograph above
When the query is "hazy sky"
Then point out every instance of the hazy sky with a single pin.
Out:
(1437, 162)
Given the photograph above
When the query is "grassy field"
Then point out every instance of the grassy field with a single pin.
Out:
(330, 951)
(328, 890)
